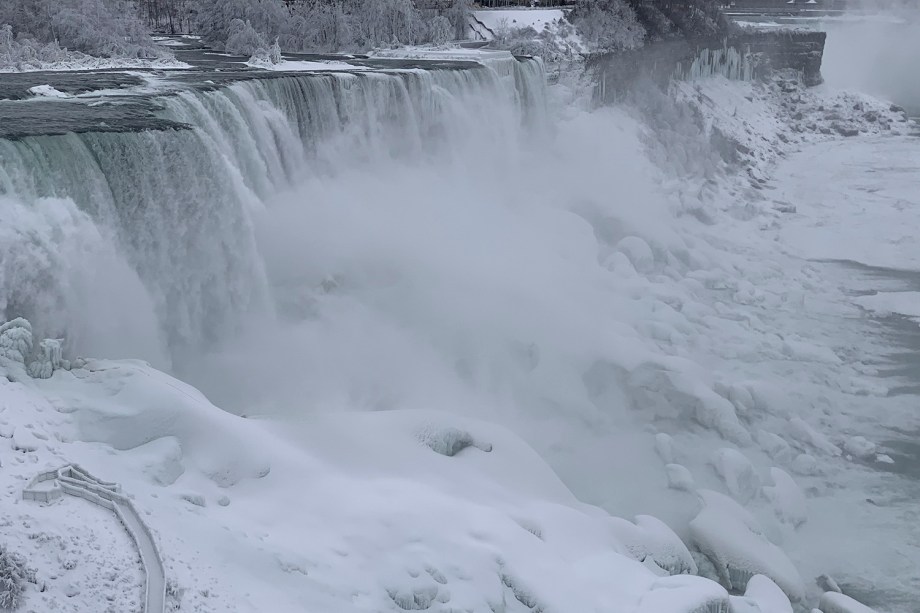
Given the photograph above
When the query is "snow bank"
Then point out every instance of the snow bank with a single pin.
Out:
(133, 405)
(96, 63)
(306, 66)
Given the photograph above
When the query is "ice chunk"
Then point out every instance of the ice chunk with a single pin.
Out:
(805, 464)
(827, 584)
(859, 447)
(741, 397)
(737, 472)
(768, 596)
(47, 91)
(787, 498)
(735, 543)
(835, 602)
(807, 435)
(664, 445)
(638, 252)
(775, 446)
(679, 477)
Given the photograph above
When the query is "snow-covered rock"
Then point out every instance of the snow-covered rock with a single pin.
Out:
(768, 596)
(774, 445)
(835, 602)
(736, 544)
(684, 594)
(801, 431)
(787, 498)
(860, 447)
(737, 473)
(654, 540)
(664, 446)
(679, 477)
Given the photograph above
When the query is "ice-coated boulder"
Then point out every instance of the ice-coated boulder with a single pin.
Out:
(768, 596)
(651, 540)
(638, 252)
(835, 602)
(805, 434)
(735, 543)
(664, 446)
(743, 604)
(449, 441)
(775, 446)
(684, 594)
(860, 447)
(805, 464)
(787, 498)
(737, 473)
(679, 477)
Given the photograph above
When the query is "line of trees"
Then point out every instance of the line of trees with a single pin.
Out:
(242, 26)
(46, 29)
(102, 28)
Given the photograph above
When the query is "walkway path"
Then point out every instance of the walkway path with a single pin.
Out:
(73, 480)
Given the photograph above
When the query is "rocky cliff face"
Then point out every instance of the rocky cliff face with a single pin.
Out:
(739, 56)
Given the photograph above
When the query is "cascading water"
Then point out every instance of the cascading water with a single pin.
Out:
(141, 243)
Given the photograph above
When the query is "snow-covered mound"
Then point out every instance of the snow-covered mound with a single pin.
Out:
(401, 508)
(735, 543)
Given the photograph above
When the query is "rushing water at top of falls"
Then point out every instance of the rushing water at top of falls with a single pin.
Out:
(136, 243)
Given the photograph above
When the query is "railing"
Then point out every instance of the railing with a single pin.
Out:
(74, 480)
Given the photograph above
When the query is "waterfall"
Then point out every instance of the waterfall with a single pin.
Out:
(138, 243)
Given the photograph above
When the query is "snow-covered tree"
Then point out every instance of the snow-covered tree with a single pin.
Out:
(105, 28)
(14, 574)
(690, 18)
(387, 22)
(459, 16)
(440, 30)
(243, 39)
(607, 25)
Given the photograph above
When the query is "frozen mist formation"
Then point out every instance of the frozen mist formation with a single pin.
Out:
(477, 346)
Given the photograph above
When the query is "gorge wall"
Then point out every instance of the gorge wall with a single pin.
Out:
(743, 55)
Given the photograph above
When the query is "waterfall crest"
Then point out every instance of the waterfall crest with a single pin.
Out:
(149, 234)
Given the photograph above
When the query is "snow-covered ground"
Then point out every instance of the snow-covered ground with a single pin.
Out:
(88, 62)
(496, 20)
(494, 372)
